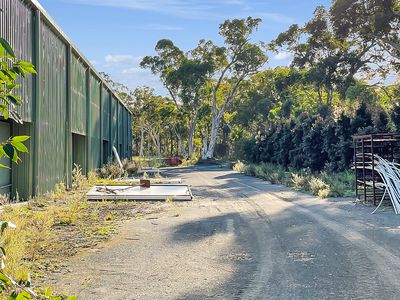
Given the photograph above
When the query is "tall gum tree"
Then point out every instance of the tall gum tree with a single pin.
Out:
(233, 63)
(331, 61)
(191, 78)
(168, 59)
(376, 21)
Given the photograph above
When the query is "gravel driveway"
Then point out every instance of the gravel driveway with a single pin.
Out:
(242, 238)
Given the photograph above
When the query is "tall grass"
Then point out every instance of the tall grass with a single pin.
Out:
(322, 184)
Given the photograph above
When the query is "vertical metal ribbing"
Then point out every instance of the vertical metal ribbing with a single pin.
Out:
(68, 125)
(36, 102)
(110, 144)
(88, 120)
(101, 124)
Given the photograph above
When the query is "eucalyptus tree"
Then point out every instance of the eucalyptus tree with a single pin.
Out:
(230, 64)
(167, 61)
(149, 121)
(331, 61)
(373, 21)
(191, 76)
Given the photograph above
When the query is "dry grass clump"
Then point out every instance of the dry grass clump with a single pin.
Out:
(322, 184)
(240, 167)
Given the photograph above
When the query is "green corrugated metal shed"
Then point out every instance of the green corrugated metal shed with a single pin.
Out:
(70, 113)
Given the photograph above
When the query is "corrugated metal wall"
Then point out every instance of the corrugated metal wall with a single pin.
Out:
(130, 136)
(125, 132)
(5, 174)
(106, 114)
(95, 124)
(114, 126)
(16, 28)
(68, 110)
(120, 130)
(78, 91)
(52, 116)
(22, 173)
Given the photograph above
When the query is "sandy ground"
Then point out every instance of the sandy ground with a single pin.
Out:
(242, 238)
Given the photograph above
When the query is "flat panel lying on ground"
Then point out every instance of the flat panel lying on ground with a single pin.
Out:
(155, 192)
(152, 180)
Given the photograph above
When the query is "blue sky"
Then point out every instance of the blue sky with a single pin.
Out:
(115, 34)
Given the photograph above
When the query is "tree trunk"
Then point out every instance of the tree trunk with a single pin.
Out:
(205, 147)
(158, 140)
(180, 144)
(213, 136)
(192, 127)
(141, 141)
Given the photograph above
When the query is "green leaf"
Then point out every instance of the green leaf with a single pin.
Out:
(7, 47)
(16, 158)
(4, 166)
(73, 297)
(19, 146)
(21, 138)
(2, 50)
(5, 114)
(4, 279)
(28, 67)
(24, 295)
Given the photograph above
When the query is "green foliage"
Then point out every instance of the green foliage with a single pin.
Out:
(10, 69)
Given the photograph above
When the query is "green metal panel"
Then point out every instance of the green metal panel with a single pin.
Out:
(78, 116)
(106, 114)
(21, 173)
(120, 130)
(16, 28)
(5, 174)
(125, 131)
(114, 118)
(95, 124)
(130, 135)
(52, 111)
(63, 98)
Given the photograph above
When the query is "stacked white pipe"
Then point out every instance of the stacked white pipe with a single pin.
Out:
(390, 174)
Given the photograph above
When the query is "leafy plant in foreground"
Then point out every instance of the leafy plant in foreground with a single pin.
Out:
(10, 70)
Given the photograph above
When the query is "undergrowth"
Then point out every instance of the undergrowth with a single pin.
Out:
(322, 184)
(52, 227)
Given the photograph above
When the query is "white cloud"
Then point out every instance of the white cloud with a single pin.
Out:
(133, 70)
(284, 55)
(113, 59)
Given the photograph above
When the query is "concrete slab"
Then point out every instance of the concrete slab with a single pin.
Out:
(155, 192)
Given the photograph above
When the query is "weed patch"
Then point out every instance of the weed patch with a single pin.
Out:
(321, 184)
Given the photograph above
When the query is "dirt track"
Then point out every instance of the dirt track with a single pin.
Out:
(242, 238)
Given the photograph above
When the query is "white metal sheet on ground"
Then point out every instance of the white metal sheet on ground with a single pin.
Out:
(155, 192)
(152, 180)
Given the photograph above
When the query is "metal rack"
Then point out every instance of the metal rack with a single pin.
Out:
(369, 185)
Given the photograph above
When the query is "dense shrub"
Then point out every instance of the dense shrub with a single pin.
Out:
(317, 143)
